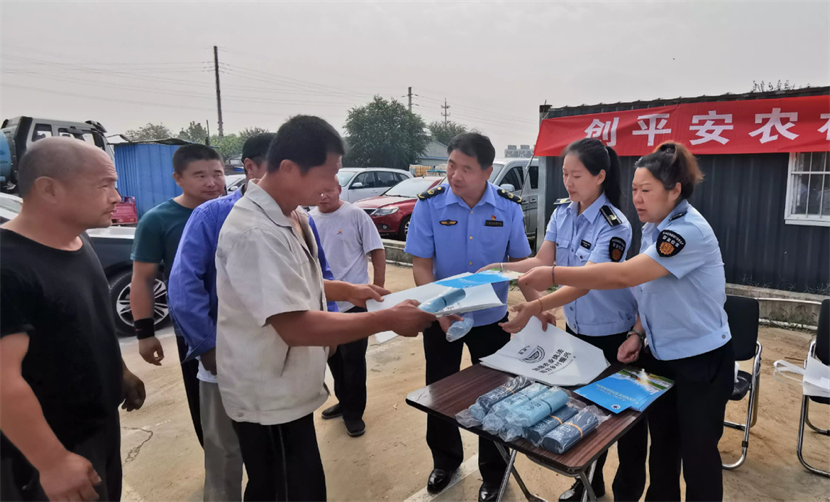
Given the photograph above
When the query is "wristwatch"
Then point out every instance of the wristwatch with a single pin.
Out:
(641, 336)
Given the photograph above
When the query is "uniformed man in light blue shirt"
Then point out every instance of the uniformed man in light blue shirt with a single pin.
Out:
(585, 230)
(460, 227)
(683, 327)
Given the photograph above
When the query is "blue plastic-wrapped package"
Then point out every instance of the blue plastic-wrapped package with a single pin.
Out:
(537, 409)
(477, 412)
(514, 385)
(443, 301)
(562, 438)
(494, 421)
(535, 433)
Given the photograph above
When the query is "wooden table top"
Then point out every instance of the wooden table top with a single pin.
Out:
(449, 396)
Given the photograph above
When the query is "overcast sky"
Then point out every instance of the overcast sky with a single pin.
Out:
(128, 63)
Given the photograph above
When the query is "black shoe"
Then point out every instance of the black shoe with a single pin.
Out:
(438, 480)
(355, 428)
(332, 412)
(575, 492)
(488, 492)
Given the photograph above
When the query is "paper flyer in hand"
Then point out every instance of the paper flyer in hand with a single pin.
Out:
(553, 357)
(626, 389)
(475, 298)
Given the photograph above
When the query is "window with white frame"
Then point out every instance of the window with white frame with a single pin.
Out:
(808, 189)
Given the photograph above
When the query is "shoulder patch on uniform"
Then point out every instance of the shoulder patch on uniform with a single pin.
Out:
(509, 196)
(616, 248)
(559, 202)
(669, 243)
(610, 216)
(678, 215)
(432, 192)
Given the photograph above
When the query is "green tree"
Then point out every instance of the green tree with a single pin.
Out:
(251, 131)
(194, 132)
(385, 134)
(228, 145)
(149, 132)
(444, 132)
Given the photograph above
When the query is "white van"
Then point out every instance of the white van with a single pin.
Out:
(360, 183)
(515, 176)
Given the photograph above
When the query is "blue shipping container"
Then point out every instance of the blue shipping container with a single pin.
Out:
(145, 171)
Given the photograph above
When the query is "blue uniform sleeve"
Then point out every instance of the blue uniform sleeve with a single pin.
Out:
(681, 248)
(189, 293)
(420, 241)
(611, 244)
(550, 233)
(321, 255)
(517, 246)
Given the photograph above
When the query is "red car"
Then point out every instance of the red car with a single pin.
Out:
(392, 210)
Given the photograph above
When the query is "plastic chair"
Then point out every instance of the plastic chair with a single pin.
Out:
(743, 316)
(820, 349)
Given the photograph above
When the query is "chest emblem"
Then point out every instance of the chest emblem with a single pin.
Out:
(448, 223)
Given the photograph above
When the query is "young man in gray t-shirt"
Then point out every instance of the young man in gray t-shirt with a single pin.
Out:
(349, 235)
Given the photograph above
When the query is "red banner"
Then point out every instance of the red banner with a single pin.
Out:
(755, 126)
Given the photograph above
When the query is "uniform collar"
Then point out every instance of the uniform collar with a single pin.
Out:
(488, 197)
(268, 205)
(680, 208)
(592, 211)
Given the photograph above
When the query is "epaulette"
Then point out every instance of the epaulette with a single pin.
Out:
(559, 202)
(509, 196)
(678, 215)
(432, 192)
(610, 216)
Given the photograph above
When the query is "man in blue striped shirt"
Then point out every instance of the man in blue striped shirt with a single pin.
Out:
(193, 302)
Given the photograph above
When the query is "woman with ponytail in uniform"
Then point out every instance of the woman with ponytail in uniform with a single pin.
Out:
(682, 332)
(584, 230)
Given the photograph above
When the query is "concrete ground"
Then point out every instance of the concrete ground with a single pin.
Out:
(163, 459)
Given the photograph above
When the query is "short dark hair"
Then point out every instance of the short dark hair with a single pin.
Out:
(673, 163)
(475, 145)
(256, 147)
(306, 141)
(192, 153)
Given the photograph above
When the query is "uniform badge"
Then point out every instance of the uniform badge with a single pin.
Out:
(559, 202)
(669, 243)
(678, 215)
(610, 216)
(448, 223)
(585, 244)
(493, 223)
(616, 248)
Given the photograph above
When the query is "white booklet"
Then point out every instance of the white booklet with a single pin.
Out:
(476, 298)
(553, 357)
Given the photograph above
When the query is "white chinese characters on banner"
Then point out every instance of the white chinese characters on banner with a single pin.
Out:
(606, 130)
(710, 131)
(826, 126)
(774, 121)
(654, 127)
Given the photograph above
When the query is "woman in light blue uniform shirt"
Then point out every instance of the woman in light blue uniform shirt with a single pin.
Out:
(584, 230)
(682, 332)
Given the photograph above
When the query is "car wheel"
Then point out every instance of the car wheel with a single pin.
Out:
(404, 229)
(120, 302)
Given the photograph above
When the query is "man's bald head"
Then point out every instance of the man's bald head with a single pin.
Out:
(57, 158)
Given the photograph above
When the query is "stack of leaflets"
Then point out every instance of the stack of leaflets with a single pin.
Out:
(626, 389)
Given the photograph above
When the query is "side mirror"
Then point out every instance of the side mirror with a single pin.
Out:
(507, 187)
(357, 185)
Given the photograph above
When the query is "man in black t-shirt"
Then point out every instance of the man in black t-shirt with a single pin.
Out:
(61, 373)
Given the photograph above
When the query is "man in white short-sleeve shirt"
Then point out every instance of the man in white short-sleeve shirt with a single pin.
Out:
(350, 235)
(273, 330)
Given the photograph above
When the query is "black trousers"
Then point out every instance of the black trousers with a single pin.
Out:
(19, 480)
(191, 386)
(686, 425)
(348, 368)
(283, 461)
(442, 360)
(632, 448)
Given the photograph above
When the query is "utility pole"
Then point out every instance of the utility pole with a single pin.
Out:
(207, 138)
(218, 92)
(445, 113)
(410, 99)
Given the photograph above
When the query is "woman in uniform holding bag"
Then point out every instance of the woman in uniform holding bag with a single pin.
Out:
(682, 332)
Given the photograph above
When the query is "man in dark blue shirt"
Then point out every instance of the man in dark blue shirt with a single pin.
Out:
(193, 302)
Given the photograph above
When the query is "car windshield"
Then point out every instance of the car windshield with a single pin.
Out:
(496, 171)
(410, 188)
(343, 177)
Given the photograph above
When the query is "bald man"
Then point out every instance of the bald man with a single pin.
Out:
(61, 373)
